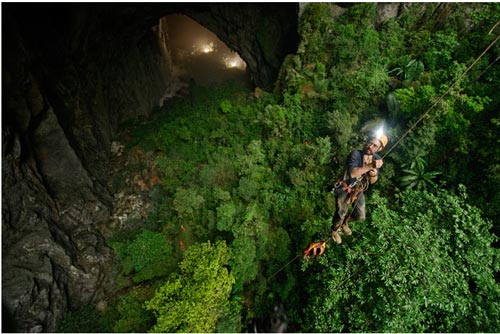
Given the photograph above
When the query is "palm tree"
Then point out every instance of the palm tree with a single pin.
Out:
(417, 177)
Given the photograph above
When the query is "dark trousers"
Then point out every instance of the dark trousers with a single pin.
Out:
(358, 213)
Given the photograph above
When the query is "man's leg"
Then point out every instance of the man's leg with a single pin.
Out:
(340, 213)
(358, 214)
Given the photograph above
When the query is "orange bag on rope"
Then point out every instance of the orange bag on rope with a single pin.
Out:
(314, 249)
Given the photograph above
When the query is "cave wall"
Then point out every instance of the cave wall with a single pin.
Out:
(67, 83)
(71, 73)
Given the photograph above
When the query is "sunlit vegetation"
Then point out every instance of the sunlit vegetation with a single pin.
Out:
(245, 182)
(195, 299)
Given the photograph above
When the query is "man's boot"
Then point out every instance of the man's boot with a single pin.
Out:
(346, 229)
(336, 237)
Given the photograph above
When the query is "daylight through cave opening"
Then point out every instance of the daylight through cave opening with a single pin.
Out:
(199, 55)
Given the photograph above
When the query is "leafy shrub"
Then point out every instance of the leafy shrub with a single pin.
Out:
(226, 106)
(187, 203)
(196, 298)
(86, 319)
(133, 317)
(416, 175)
(147, 256)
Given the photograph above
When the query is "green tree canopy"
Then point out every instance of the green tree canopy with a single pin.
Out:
(423, 263)
(197, 297)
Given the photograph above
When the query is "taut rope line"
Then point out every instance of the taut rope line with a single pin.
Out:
(442, 96)
(419, 120)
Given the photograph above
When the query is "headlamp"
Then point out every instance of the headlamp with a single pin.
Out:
(379, 132)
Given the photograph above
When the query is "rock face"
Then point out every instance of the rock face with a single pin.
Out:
(71, 73)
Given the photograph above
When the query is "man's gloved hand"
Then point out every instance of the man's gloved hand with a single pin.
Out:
(377, 163)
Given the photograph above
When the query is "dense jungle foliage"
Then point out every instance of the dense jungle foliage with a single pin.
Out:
(246, 175)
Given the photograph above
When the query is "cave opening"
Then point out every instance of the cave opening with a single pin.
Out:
(199, 56)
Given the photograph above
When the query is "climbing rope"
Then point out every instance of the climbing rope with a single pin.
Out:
(286, 265)
(424, 115)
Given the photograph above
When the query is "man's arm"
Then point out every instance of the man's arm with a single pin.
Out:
(372, 176)
(370, 170)
(358, 171)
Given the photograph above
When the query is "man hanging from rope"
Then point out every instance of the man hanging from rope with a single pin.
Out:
(361, 169)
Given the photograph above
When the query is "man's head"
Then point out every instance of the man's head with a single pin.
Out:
(376, 144)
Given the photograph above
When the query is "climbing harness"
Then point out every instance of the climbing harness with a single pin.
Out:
(342, 185)
(356, 187)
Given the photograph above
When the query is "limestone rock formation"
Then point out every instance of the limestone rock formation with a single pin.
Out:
(63, 99)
